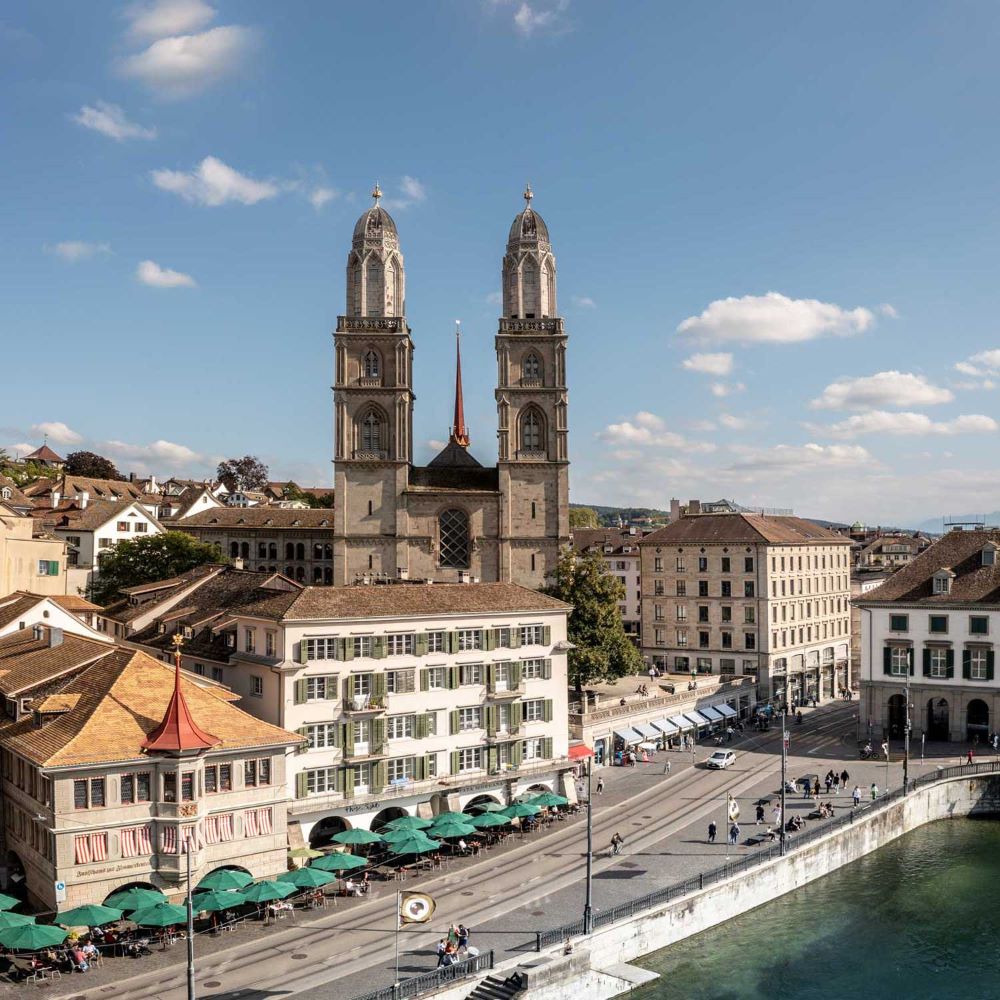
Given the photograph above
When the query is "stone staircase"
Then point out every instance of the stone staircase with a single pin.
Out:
(494, 988)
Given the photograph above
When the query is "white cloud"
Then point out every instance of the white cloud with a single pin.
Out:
(412, 192)
(884, 422)
(888, 310)
(891, 388)
(709, 364)
(149, 21)
(160, 451)
(648, 430)
(776, 319)
(318, 197)
(786, 458)
(723, 389)
(150, 273)
(584, 302)
(182, 65)
(20, 450)
(56, 431)
(983, 363)
(77, 250)
(213, 183)
(733, 423)
(111, 120)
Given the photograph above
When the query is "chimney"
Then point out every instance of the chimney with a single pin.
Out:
(694, 507)
(238, 564)
(56, 497)
(131, 477)
(675, 509)
(83, 498)
(55, 636)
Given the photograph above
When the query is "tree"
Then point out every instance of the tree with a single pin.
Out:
(246, 473)
(23, 474)
(583, 517)
(87, 463)
(146, 560)
(603, 650)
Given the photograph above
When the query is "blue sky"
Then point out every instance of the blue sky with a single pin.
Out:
(775, 227)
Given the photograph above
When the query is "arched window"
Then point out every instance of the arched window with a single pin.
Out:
(317, 550)
(371, 432)
(272, 552)
(328, 576)
(234, 550)
(372, 365)
(290, 572)
(300, 551)
(390, 287)
(354, 287)
(531, 431)
(289, 550)
(374, 289)
(532, 365)
(245, 550)
(530, 304)
(300, 575)
(328, 551)
(453, 529)
(317, 574)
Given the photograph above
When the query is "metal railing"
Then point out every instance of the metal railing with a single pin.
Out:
(432, 980)
(738, 866)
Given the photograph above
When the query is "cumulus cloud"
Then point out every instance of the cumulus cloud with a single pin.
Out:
(884, 422)
(709, 364)
(214, 183)
(411, 192)
(733, 423)
(149, 21)
(775, 319)
(77, 250)
(111, 120)
(723, 389)
(150, 273)
(319, 196)
(166, 452)
(983, 363)
(648, 430)
(786, 458)
(889, 310)
(891, 388)
(57, 431)
(584, 302)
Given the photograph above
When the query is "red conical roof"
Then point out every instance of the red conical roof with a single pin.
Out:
(459, 432)
(178, 731)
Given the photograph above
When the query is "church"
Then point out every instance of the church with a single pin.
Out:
(453, 520)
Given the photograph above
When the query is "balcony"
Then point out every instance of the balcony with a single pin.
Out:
(502, 691)
(548, 325)
(358, 752)
(363, 704)
(358, 455)
(370, 381)
(371, 324)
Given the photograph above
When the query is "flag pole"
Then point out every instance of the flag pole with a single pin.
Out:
(399, 903)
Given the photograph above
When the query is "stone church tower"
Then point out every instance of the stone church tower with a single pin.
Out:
(453, 519)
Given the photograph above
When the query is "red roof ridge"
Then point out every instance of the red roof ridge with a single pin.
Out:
(178, 731)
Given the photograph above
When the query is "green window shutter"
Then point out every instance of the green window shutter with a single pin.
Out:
(516, 753)
(349, 736)
(514, 670)
(419, 768)
(331, 687)
(515, 637)
(303, 651)
(378, 736)
(491, 678)
(453, 717)
(379, 774)
(516, 714)
(299, 689)
(421, 728)
(491, 721)
(454, 762)
(497, 642)
(379, 687)
(348, 648)
(546, 635)
(348, 782)
(547, 748)
(425, 680)
(378, 647)
(338, 736)
(349, 687)
(420, 645)
(340, 779)
(492, 759)
(951, 663)
(967, 663)
(489, 639)
(452, 642)
(887, 660)
(547, 710)
(927, 663)
(547, 670)
(989, 665)
(454, 677)
(301, 787)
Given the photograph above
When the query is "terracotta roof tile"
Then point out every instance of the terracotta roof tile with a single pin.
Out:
(258, 517)
(15, 605)
(27, 662)
(753, 529)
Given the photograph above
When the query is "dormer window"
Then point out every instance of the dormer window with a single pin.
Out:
(989, 554)
(942, 581)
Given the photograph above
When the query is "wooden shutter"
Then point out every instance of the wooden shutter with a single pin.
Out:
(348, 737)
(348, 782)
(887, 659)
(989, 664)
(951, 663)
(547, 747)
(419, 768)
(547, 710)
(303, 651)
(491, 720)
(299, 689)
(379, 774)
(514, 673)
(379, 685)
(516, 714)
(492, 759)
(378, 736)
(515, 637)
(516, 753)
(340, 779)
(454, 762)
(338, 735)
(927, 662)
(491, 678)
(967, 663)
(489, 639)
(453, 642)
(454, 677)
(547, 670)
(420, 646)
(349, 687)
(546, 635)
(348, 648)
(378, 647)
(453, 721)
(421, 726)
(331, 686)
(301, 785)
(339, 649)
(425, 679)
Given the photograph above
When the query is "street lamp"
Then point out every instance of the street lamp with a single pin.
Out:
(784, 758)
(906, 723)
(588, 908)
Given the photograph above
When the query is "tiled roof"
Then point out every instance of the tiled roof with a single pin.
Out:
(43, 454)
(27, 662)
(122, 699)
(587, 538)
(958, 551)
(72, 517)
(17, 497)
(258, 517)
(455, 479)
(752, 529)
(15, 605)
(74, 603)
(404, 600)
(98, 489)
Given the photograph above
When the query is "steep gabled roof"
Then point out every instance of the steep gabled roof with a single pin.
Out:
(751, 529)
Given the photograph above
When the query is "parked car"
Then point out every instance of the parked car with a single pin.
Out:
(721, 759)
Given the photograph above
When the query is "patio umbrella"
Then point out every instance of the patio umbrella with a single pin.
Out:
(160, 915)
(547, 799)
(520, 810)
(309, 878)
(488, 807)
(8, 902)
(14, 920)
(414, 842)
(338, 863)
(90, 915)
(265, 892)
(31, 937)
(356, 837)
(451, 828)
(134, 898)
(225, 878)
(212, 900)
(407, 823)
(488, 820)
(305, 852)
(457, 816)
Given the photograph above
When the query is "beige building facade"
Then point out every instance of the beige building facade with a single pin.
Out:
(619, 550)
(29, 561)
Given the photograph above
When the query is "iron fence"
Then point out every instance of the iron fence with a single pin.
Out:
(434, 980)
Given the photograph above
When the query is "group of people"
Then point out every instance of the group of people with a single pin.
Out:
(456, 943)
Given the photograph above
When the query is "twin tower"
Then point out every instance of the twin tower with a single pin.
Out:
(454, 519)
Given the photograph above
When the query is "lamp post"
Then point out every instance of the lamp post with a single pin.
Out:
(784, 760)
(588, 908)
(190, 927)
(906, 723)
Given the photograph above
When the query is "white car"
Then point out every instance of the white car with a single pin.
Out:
(721, 759)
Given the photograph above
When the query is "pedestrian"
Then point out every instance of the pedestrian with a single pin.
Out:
(844, 777)
(760, 813)
(856, 795)
(836, 784)
(712, 830)
(806, 788)
(816, 790)
(828, 781)
(442, 950)
(734, 834)
(666, 766)
(600, 785)
(874, 791)
(968, 756)
(463, 938)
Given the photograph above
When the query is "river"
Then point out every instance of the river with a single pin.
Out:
(918, 919)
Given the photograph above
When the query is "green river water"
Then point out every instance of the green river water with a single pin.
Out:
(917, 919)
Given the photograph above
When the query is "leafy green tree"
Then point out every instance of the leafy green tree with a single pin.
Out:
(246, 473)
(583, 517)
(23, 474)
(146, 560)
(603, 650)
(91, 465)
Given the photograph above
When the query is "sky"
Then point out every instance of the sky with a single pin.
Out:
(775, 227)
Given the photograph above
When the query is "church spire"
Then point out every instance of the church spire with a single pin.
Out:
(459, 432)
(178, 732)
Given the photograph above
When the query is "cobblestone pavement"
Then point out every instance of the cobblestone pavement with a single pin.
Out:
(526, 886)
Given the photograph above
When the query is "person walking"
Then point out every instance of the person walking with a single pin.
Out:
(734, 834)
(463, 938)
(836, 784)
(776, 813)
(969, 756)
(816, 790)
(806, 788)
(712, 830)
(828, 781)
(874, 791)
(856, 795)
(844, 778)
(666, 766)
(760, 813)
(442, 950)
(600, 785)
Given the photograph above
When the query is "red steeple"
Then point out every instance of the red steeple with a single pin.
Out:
(178, 731)
(459, 432)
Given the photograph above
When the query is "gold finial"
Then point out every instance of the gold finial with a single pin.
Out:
(178, 641)
(528, 195)
(376, 192)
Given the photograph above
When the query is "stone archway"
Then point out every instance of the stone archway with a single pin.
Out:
(322, 833)
(130, 885)
(897, 716)
(977, 721)
(938, 719)
(387, 816)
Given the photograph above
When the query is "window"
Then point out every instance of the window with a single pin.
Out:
(470, 759)
(727, 613)
(748, 616)
(187, 786)
(469, 639)
(938, 664)
(471, 673)
(437, 678)
(658, 612)
(531, 431)
(727, 589)
(170, 787)
(435, 642)
(532, 366)
(269, 643)
(657, 564)
(257, 771)
(899, 623)
(140, 527)
(534, 710)
(938, 623)
(682, 588)
(899, 661)
(48, 567)
(362, 645)
(371, 432)
(123, 526)
(702, 564)
(321, 781)
(321, 735)
(218, 778)
(703, 588)
(533, 749)
(942, 583)
(682, 638)
(703, 640)
(682, 612)
(531, 635)
(400, 644)
(400, 727)
(680, 564)
(217, 674)
(453, 539)
(249, 640)
(748, 588)
(371, 364)
(470, 718)
(400, 681)
(749, 640)
(979, 625)
(400, 769)
(532, 669)
(81, 799)
(256, 686)
(748, 564)
(135, 788)
(978, 665)
(726, 564)
(702, 612)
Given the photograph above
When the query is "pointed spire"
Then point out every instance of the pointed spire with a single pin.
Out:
(459, 432)
(178, 731)
(376, 192)
(528, 195)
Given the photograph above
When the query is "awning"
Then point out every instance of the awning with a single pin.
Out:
(667, 728)
(682, 724)
(697, 719)
(648, 730)
(729, 713)
(628, 736)
(712, 714)
(580, 752)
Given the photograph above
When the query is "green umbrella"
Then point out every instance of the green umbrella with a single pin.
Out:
(488, 807)
(160, 915)
(225, 878)
(135, 898)
(90, 915)
(547, 799)
(14, 920)
(451, 828)
(521, 809)
(359, 837)
(456, 816)
(309, 878)
(304, 852)
(338, 863)
(265, 892)
(406, 823)
(31, 937)
(212, 900)
(414, 842)
(8, 902)
(489, 820)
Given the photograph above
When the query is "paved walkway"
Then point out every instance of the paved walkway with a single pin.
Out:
(508, 895)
